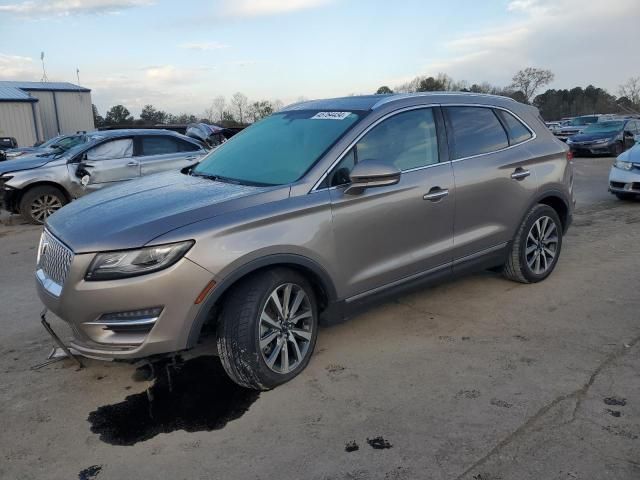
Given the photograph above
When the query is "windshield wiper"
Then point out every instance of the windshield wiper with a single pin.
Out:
(215, 178)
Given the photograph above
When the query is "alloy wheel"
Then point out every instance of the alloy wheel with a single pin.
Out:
(286, 328)
(542, 245)
(44, 206)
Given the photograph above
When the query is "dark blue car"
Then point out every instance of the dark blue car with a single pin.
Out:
(610, 137)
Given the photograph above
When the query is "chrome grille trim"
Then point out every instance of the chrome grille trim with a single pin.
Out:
(54, 261)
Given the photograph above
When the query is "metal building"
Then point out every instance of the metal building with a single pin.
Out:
(37, 111)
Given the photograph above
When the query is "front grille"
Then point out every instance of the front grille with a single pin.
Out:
(55, 258)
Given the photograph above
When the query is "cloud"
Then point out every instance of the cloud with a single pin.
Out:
(252, 8)
(44, 8)
(166, 74)
(204, 46)
(14, 66)
(553, 34)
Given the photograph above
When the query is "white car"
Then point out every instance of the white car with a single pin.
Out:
(624, 178)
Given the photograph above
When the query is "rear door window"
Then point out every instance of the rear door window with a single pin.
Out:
(121, 148)
(158, 145)
(474, 131)
(518, 133)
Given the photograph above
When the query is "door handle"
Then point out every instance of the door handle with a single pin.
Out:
(435, 194)
(133, 164)
(520, 174)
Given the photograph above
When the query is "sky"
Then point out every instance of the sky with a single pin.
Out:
(178, 56)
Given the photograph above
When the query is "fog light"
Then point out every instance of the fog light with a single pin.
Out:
(144, 314)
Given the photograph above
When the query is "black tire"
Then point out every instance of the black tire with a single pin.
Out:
(239, 329)
(38, 203)
(617, 149)
(625, 196)
(517, 267)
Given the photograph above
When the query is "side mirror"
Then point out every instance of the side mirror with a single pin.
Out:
(371, 173)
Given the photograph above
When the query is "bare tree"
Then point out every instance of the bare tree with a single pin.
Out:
(631, 90)
(277, 105)
(529, 80)
(239, 102)
(219, 105)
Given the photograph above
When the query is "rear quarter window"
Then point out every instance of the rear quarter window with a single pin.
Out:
(474, 131)
(518, 133)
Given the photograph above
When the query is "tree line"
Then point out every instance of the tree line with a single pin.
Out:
(525, 84)
(237, 111)
(553, 104)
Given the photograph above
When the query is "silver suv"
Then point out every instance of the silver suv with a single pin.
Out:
(37, 185)
(307, 215)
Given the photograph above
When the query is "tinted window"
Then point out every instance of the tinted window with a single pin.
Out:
(518, 133)
(474, 130)
(407, 140)
(158, 145)
(186, 146)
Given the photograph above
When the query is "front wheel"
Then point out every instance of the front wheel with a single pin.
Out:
(39, 203)
(536, 246)
(267, 329)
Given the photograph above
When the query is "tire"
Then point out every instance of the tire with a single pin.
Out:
(38, 203)
(625, 196)
(617, 149)
(521, 265)
(242, 325)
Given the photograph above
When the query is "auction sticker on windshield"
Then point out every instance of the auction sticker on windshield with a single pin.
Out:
(330, 115)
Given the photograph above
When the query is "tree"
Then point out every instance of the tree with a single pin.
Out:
(431, 84)
(383, 90)
(631, 90)
(218, 106)
(239, 102)
(98, 120)
(118, 115)
(151, 116)
(529, 80)
(259, 110)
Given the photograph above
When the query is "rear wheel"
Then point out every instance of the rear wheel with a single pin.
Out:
(39, 203)
(267, 329)
(536, 246)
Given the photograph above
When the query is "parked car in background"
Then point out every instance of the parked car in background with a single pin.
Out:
(62, 141)
(624, 178)
(7, 143)
(609, 137)
(38, 185)
(577, 124)
(553, 126)
(313, 211)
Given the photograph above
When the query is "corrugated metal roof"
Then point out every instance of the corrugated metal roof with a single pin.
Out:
(14, 94)
(51, 86)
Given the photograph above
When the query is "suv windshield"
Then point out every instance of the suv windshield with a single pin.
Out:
(604, 127)
(279, 149)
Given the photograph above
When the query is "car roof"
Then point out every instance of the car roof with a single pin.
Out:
(372, 102)
(127, 132)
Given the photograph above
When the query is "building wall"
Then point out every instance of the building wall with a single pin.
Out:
(74, 111)
(16, 120)
(47, 113)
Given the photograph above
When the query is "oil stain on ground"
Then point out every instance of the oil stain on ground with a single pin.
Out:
(194, 395)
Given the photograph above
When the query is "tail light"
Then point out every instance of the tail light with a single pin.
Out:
(569, 156)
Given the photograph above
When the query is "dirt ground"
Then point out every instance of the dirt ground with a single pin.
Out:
(479, 378)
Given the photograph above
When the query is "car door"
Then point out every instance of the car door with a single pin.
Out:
(494, 177)
(392, 233)
(159, 153)
(110, 162)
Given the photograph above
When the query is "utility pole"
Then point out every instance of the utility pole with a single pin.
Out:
(44, 72)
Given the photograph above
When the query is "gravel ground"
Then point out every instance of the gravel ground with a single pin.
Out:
(479, 378)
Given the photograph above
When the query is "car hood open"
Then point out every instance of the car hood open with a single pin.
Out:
(131, 214)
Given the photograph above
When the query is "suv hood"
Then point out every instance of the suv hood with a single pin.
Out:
(24, 162)
(131, 214)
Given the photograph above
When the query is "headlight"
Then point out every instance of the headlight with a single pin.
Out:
(569, 141)
(13, 154)
(601, 141)
(131, 263)
(623, 165)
